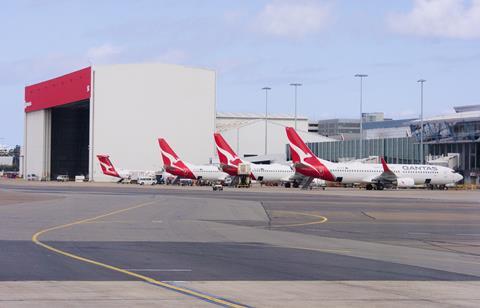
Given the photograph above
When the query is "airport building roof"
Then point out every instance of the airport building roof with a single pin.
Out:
(254, 116)
(387, 124)
(467, 108)
(454, 117)
(227, 120)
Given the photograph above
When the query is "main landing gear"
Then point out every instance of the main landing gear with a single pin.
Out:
(378, 186)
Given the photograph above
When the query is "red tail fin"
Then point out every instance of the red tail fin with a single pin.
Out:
(306, 162)
(172, 163)
(169, 156)
(225, 153)
(107, 166)
(297, 146)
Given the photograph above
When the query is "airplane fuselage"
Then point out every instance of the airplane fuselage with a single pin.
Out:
(264, 173)
(196, 172)
(272, 173)
(367, 173)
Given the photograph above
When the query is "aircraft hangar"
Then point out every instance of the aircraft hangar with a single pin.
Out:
(119, 110)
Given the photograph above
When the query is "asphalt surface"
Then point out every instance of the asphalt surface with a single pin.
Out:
(187, 234)
(415, 219)
(167, 261)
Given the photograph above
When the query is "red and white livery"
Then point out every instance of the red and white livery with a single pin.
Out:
(373, 175)
(230, 161)
(107, 166)
(174, 165)
(122, 174)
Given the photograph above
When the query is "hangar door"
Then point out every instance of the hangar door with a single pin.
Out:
(69, 140)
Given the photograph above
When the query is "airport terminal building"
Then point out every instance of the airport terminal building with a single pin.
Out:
(119, 110)
(452, 140)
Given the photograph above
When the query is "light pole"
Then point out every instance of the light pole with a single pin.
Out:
(296, 85)
(361, 76)
(266, 115)
(421, 81)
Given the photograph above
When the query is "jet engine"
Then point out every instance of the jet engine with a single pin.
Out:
(405, 182)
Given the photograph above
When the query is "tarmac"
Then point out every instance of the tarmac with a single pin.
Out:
(84, 244)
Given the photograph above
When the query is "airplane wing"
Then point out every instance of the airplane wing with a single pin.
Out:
(387, 175)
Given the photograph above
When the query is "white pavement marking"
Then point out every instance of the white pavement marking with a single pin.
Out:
(159, 269)
(318, 230)
(420, 233)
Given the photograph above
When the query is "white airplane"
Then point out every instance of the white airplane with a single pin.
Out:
(174, 165)
(121, 174)
(260, 172)
(373, 175)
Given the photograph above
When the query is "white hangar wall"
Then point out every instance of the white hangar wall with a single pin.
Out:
(249, 137)
(134, 104)
(36, 149)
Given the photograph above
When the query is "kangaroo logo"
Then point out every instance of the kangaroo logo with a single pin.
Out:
(108, 168)
(302, 155)
(171, 158)
(232, 159)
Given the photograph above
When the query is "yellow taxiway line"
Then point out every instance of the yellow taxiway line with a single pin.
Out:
(35, 239)
(321, 221)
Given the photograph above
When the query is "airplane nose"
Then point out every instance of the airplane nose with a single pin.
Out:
(458, 177)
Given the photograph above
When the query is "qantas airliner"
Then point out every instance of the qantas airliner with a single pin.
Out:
(373, 175)
(121, 174)
(263, 173)
(174, 165)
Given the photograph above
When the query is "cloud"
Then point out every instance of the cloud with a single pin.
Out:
(103, 53)
(292, 19)
(173, 56)
(34, 69)
(439, 18)
(31, 70)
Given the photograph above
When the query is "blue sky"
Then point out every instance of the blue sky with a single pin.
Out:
(252, 44)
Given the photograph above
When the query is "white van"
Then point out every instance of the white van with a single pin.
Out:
(146, 181)
(63, 178)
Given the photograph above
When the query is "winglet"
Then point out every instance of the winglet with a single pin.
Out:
(385, 166)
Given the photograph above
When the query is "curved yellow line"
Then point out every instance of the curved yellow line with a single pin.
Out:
(321, 221)
(35, 239)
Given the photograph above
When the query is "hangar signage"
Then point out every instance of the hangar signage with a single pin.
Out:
(69, 88)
